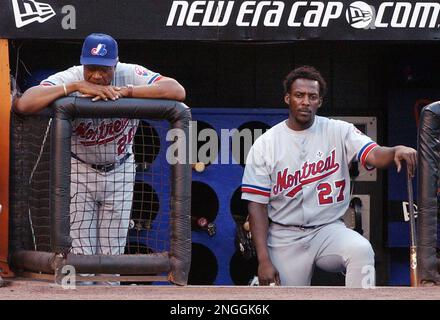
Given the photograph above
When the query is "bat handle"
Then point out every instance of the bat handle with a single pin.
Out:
(413, 267)
(413, 237)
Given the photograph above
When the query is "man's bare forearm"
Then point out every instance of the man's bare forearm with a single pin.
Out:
(37, 98)
(166, 88)
(383, 157)
(259, 225)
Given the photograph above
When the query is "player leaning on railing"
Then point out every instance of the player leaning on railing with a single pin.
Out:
(103, 170)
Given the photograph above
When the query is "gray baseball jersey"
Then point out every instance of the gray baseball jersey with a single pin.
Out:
(303, 176)
(101, 201)
(103, 141)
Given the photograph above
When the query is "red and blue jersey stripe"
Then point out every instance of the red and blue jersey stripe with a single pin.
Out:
(157, 77)
(366, 149)
(248, 188)
(47, 83)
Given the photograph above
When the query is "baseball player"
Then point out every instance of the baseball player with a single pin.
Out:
(298, 186)
(103, 170)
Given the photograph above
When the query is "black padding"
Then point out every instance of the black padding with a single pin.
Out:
(428, 183)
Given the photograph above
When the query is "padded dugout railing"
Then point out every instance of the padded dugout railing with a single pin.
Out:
(428, 193)
(175, 263)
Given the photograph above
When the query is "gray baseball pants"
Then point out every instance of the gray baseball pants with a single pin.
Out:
(333, 247)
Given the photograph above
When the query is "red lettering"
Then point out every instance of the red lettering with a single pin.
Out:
(333, 159)
(102, 131)
(289, 181)
(320, 166)
(90, 134)
(131, 134)
(324, 193)
(109, 129)
(82, 129)
(312, 168)
(121, 144)
(341, 186)
(281, 181)
(327, 165)
(310, 173)
(117, 126)
(303, 171)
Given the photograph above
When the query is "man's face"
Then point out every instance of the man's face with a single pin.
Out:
(101, 75)
(303, 101)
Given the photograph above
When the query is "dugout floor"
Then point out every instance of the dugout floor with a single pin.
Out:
(41, 290)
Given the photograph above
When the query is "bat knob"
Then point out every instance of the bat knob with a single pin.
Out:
(202, 222)
(199, 166)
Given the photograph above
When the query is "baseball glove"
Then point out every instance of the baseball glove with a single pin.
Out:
(243, 242)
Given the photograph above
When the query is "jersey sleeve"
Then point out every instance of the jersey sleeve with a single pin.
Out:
(358, 145)
(256, 182)
(143, 76)
(67, 76)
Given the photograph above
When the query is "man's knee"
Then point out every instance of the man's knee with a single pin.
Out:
(360, 251)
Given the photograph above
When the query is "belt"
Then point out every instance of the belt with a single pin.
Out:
(302, 227)
(103, 167)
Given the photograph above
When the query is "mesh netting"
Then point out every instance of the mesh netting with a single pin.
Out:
(119, 206)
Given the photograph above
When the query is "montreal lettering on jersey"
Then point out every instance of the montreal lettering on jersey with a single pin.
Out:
(104, 133)
(308, 14)
(309, 173)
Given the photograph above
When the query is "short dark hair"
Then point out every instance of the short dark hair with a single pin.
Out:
(305, 72)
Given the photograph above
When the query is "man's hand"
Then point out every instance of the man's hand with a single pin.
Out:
(267, 274)
(409, 155)
(98, 92)
(124, 91)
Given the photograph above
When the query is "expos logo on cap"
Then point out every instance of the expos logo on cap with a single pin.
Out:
(99, 49)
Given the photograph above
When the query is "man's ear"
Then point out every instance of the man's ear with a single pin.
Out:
(287, 98)
(320, 102)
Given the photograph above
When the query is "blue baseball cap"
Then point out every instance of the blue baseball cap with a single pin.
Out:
(99, 49)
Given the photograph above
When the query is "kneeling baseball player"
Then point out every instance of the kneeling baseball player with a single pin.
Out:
(298, 186)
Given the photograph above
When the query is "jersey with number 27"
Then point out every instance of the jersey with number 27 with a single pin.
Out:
(104, 140)
(303, 176)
